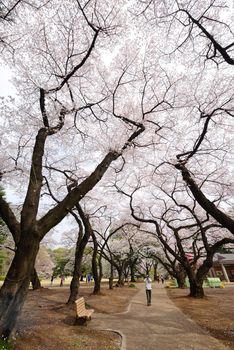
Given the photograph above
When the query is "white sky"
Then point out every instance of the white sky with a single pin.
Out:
(6, 87)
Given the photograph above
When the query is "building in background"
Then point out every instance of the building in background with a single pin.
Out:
(223, 267)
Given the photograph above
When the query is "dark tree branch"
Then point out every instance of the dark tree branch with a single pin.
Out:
(55, 215)
(217, 47)
(204, 202)
(10, 220)
(31, 202)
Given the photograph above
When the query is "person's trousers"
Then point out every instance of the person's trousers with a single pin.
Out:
(148, 296)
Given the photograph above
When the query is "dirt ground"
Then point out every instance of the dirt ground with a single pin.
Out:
(47, 323)
(215, 312)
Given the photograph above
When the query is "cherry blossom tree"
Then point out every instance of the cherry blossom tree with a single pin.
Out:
(52, 90)
(213, 20)
(200, 40)
(115, 246)
(180, 227)
(66, 100)
(44, 264)
(93, 101)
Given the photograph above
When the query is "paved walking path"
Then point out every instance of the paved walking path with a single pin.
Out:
(161, 326)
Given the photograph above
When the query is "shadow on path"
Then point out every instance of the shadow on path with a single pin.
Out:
(161, 326)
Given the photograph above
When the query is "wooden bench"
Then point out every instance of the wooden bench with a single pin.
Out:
(82, 314)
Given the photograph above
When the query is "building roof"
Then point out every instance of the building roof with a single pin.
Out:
(224, 259)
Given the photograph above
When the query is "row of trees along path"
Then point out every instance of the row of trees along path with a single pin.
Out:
(69, 98)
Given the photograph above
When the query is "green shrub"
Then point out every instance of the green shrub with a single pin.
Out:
(5, 345)
(132, 285)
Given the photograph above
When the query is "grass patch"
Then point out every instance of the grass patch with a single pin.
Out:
(80, 341)
(5, 345)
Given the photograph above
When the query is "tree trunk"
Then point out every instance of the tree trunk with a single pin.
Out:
(180, 281)
(120, 282)
(36, 283)
(81, 243)
(75, 282)
(96, 275)
(196, 289)
(180, 275)
(74, 287)
(100, 271)
(148, 267)
(196, 282)
(15, 287)
(132, 272)
(126, 273)
(111, 278)
(155, 266)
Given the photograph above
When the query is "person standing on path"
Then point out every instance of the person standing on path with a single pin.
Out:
(148, 289)
(51, 280)
(62, 279)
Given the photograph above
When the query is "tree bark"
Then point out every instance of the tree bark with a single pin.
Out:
(27, 237)
(96, 274)
(132, 266)
(36, 283)
(111, 278)
(15, 286)
(81, 243)
(196, 289)
(225, 220)
(120, 271)
(74, 286)
(196, 279)
(181, 281)
(180, 275)
(155, 266)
